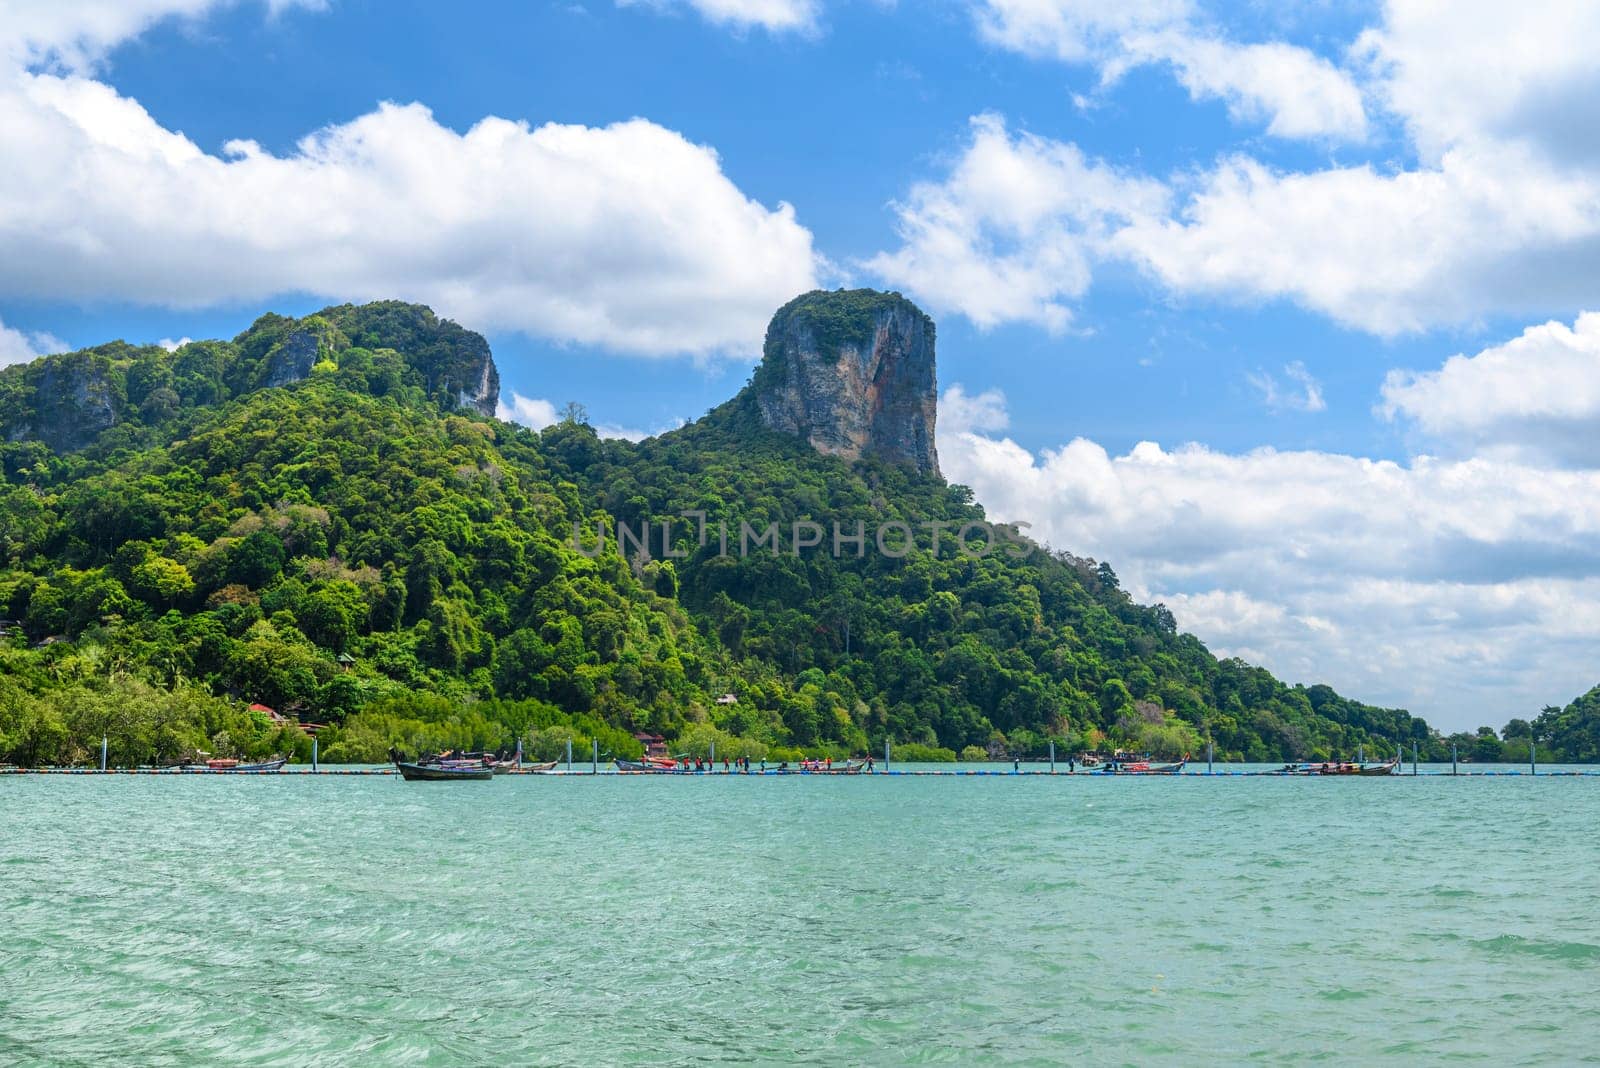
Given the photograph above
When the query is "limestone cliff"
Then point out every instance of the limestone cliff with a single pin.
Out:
(68, 401)
(455, 363)
(291, 360)
(78, 397)
(852, 372)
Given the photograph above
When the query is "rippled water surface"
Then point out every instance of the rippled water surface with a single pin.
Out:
(298, 920)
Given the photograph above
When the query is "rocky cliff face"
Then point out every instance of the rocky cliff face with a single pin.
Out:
(291, 361)
(77, 400)
(455, 363)
(484, 395)
(67, 401)
(852, 372)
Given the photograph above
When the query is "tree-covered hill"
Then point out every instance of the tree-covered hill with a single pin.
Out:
(361, 547)
(1557, 735)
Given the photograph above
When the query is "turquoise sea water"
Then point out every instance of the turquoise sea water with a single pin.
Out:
(299, 920)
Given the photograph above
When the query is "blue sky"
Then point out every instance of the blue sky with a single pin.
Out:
(839, 124)
(1248, 235)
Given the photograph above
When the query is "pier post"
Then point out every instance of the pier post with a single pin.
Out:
(569, 755)
(886, 754)
(1211, 751)
(1453, 758)
(1052, 756)
(1533, 758)
(1413, 757)
(102, 752)
(713, 750)
(519, 754)
(313, 754)
(594, 746)
(1361, 753)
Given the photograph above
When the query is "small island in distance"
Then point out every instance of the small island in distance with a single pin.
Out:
(323, 518)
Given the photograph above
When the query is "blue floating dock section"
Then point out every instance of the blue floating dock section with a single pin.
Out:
(177, 773)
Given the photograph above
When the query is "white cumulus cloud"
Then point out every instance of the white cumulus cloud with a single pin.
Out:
(1488, 229)
(1296, 92)
(1475, 69)
(1020, 224)
(1494, 209)
(1013, 231)
(626, 236)
(19, 346)
(1537, 395)
(774, 15)
(961, 413)
(78, 33)
(535, 413)
(1464, 589)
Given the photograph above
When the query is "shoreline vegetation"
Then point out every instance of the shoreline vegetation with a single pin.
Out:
(320, 518)
(145, 725)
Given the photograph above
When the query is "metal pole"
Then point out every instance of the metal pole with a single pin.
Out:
(1533, 758)
(102, 752)
(886, 754)
(313, 754)
(713, 750)
(1210, 753)
(569, 754)
(1453, 758)
(1052, 756)
(519, 754)
(595, 756)
(1361, 753)
(1413, 757)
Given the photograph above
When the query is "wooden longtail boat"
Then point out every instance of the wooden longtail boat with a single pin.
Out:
(1141, 767)
(847, 768)
(858, 767)
(1340, 768)
(437, 770)
(229, 765)
(651, 767)
(443, 772)
(265, 765)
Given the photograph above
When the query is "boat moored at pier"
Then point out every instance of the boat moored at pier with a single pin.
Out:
(440, 770)
(1141, 767)
(1334, 767)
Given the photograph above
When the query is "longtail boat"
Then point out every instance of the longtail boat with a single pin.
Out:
(266, 765)
(442, 772)
(848, 768)
(650, 767)
(228, 764)
(858, 767)
(1142, 767)
(1340, 768)
(437, 770)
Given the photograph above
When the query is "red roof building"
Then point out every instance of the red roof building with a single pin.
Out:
(654, 744)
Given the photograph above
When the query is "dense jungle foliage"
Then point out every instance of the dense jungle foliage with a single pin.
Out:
(355, 550)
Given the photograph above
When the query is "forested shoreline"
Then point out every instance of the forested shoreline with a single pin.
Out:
(356, 549)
